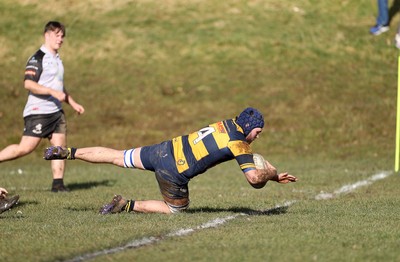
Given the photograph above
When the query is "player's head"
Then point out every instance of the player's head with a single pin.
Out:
(56, 27)
(249, 119)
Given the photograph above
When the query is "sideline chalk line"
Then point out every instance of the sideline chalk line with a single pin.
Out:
(220, 221)
(351, 187)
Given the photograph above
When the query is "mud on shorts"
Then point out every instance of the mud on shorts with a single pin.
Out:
(173, 186)
(45, 125)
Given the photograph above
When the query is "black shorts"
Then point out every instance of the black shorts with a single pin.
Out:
(159, 158)
(170, 188)
(45, 125)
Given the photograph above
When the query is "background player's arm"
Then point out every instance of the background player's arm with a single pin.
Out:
(37, 89)
(70, 100)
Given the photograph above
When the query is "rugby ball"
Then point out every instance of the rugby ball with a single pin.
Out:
(259, 161)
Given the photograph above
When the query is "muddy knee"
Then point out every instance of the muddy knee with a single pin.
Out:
(177, 205)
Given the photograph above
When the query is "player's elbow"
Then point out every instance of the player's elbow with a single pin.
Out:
(28, 84)
(257, 178)
(258, 185)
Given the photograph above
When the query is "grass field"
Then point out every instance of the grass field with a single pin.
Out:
(147, 71)
(360, 225)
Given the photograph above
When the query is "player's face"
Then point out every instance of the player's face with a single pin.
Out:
(54, 40)
(253, 135)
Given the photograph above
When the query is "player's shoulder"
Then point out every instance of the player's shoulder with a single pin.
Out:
(37, 57)
(228, 124)
(233, 130)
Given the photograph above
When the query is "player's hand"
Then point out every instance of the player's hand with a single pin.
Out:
(285, 178)
(60, 96)
(3, 192)
(78, 108)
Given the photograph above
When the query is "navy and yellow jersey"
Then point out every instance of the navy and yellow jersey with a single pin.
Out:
(211, 145)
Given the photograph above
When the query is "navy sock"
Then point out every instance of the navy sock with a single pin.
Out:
(71, 154)
(129, 206)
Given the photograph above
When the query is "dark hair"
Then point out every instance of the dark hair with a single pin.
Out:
(55, 27)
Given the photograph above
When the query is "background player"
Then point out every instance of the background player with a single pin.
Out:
(43, 114)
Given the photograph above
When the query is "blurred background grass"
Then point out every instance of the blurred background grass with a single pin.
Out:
(147, 71)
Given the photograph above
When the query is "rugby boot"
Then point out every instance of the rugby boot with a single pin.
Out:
(56, 152)
(7, 203)
(59, 188)
(117, 205)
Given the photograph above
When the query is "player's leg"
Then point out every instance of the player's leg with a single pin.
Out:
(25, 146)
(123, 158)
(383, 13)
(176, 199)
(175, 195)
(119, 204)
(58, 166)
(174, 189)
(155, 157)
(151, 206)
(100, 155)
(36, 127)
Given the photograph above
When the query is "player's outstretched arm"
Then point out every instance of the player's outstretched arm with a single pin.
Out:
(258, 178)
(282, 178)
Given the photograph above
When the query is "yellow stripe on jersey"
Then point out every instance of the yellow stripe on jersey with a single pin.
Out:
(196, 143)
(198, 148)
(239, 148)
(180, 158)
(221, 135)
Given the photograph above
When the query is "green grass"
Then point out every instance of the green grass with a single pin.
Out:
(358, 226)
(147, 71)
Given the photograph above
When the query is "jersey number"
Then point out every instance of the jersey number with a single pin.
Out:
(203, 133)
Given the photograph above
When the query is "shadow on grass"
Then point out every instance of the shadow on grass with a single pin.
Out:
(83, 209)
(11, 217)
(17, 214)
(241, 210)
(247, 211)
(28, 203)
(91, 184)
(394, 9)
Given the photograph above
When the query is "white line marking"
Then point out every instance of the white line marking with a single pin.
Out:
(349, 188)
(220, 221)
(151, 240)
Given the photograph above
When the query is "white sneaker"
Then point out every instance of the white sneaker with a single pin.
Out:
(379, 29)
